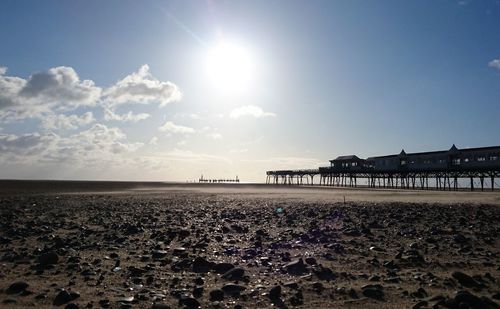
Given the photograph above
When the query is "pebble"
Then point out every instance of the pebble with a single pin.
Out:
(48, 258)
(236, 273)
(275, 292)
(296, 267)
(216, 295)
(222, 268)
(465, 279)
(232, 289)
(17, 287)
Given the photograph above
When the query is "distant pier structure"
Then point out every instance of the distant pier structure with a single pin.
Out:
(206, 180)
(451, 169)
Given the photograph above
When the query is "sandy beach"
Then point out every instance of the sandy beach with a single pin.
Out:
(156, 245)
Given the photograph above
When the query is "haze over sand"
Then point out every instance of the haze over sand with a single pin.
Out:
(147, 245)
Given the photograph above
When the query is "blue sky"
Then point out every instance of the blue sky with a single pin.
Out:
(323, 78)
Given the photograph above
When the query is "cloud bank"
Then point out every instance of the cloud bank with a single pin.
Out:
(250, 110)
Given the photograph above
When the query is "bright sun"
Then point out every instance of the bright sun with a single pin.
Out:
(230, 67)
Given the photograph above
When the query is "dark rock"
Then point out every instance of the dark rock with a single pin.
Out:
(201, 265)
(275, 292)
(324, 273)
(189, 302)
(234, 274)
(373, 291)
(318, 287)
(465, 279)
(311, 261)
(160, 306)
(472, 301)
(291, 285)
(71, 306)
(232, 289)
(17, 287)
(216, 295)
(198, 292)
(62, 298)
(159, 254)
(222, 268)
(296, 267)
(420, 304)
(48, 258)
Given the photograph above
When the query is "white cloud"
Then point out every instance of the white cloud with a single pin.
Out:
(154, 141)
(142, 87)
(60, 89)
(62, 121)
(250, 110)
(214, 135)
(495, 63)
(97, 145)
(128, 117)
(238, 150)
(170, 127)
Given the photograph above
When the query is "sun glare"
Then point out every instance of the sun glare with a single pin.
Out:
(230, 67)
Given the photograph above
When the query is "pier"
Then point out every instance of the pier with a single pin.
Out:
(453, 169)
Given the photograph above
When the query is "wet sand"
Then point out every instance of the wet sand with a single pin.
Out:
(157, 245)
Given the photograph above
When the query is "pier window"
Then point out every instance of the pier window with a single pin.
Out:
(493, 158)
(427, 161)
(455, 162)
(466, 160)
(481, 159)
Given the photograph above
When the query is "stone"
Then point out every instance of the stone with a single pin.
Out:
(189, 302)
(17, 287)
(62, 298)
(159, 254)
(160, 306)
(221, 268)
(232, 289)
(373, 291)
(275, 292)
(216, 295)
(310, 261)
(296, 267)
(234, 274)
(465, 279)
(201, 265)
(48, 258)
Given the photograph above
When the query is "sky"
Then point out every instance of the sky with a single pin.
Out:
(172, 90)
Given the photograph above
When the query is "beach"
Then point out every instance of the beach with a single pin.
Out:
(157, 245)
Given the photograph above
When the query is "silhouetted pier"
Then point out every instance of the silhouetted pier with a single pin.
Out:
(218, 180)
(451, 169)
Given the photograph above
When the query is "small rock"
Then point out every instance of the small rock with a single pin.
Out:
(61, 298)
(275, 292)
(465, 279)
(17, 287)
(216, 295)
(234, 274)
(311, 261)
(48, 258)
(232, 289)
(160, 306)
(201, 265)
(189, 302)
(373, 291)
(296, 267)
(222, 268)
